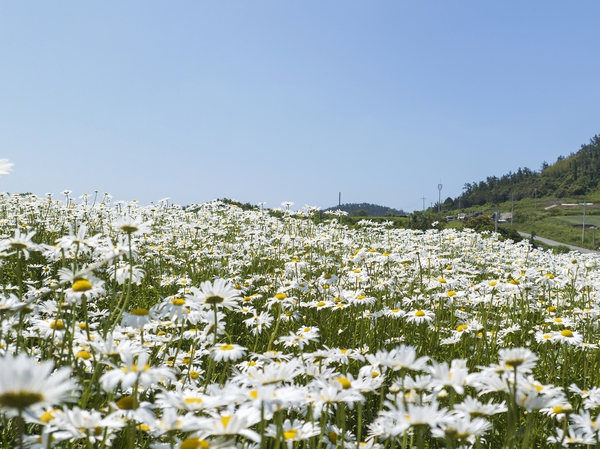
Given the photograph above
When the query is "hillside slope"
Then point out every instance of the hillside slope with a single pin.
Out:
(575, 175)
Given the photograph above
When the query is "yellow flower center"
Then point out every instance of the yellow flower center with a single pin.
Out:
(462, 327)
(82, 285)
(289, 434)
(225, 420)
(48, 416)
(213, 300)
(129, 229)
(333, 437)
(226, 347)
(18, 245)
(141, 312)
(451, 293)
(566, 333)
(280, 296)
(419, 313)
(125, 403)
(194, 443)
(57, 325)
(344, 382)
(84, 355)
(192, 400)
(134, 368)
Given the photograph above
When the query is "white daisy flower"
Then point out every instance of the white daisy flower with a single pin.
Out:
(227, 352)
(26, 384)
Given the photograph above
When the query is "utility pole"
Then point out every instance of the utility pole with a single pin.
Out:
(512, 208)
(535, 198)
(496, 221)
(583, 225)
(439, 198)
(340, 201)
(423, 203)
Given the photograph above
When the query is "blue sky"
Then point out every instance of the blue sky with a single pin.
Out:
(291, 101)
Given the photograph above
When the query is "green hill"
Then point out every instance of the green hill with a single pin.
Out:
(575, 175)
(548, 202)
(368, 209)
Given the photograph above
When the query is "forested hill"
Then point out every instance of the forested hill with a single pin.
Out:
(367, 209)
(574, 175)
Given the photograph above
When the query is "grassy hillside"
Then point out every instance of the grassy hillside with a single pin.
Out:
(547, 202)
(367, 210)
(573, 176)
(552, 219)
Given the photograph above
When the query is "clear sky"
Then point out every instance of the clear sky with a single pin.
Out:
(291, 100)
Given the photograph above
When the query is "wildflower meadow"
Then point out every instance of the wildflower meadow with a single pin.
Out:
(213, 327)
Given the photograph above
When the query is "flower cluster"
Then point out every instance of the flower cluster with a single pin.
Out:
(213, 326)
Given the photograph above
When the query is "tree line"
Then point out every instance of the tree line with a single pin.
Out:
(574, 175)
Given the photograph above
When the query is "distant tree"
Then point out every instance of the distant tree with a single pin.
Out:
(574, 175)
(426, 220)
(373, 210)
(448, 204)
(481, 223)
(243, 206)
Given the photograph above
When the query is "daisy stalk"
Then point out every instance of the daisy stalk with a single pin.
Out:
(126, 293)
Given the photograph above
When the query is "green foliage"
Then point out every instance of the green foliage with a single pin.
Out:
(576, 175)
(243, 206)
(426, 220)
(509, 233)
(561, 249)
(481, 223)
(373, 210)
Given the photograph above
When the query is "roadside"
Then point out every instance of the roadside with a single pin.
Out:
(555, 243)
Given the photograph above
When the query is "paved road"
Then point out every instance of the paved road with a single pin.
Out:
(555, 243)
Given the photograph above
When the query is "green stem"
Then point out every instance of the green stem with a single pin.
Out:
(528, 428)
(274, 330)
